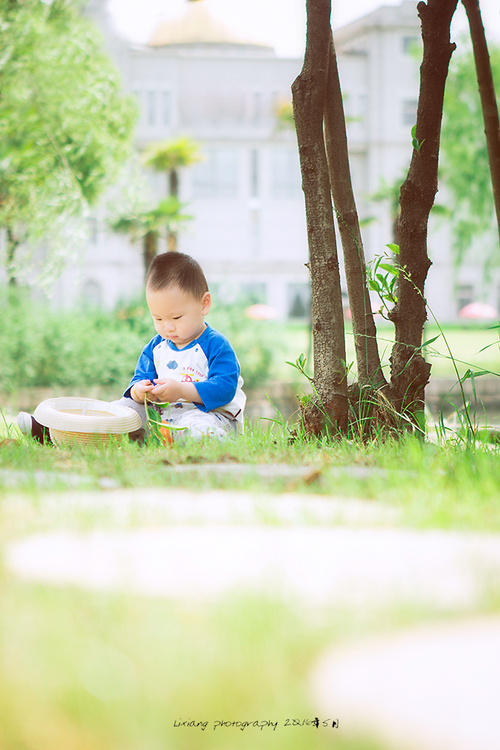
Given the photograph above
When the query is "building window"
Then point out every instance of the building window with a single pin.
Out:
(92, 294)
(275, 102)
(362, 101)
(465, 295)
(299, 301)
(217, 176)
(255, 230)
(167, 107)
(355, 107)
(409, 111)
(409, 44)
(285, 174)
(151, 108)
(256, 107)
(253, 294)
(254, 173)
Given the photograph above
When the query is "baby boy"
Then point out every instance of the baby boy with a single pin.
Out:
(188, 364)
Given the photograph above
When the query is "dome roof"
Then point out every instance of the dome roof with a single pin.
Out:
(196, 26)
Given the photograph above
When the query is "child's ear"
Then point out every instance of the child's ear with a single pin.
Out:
(206, 302)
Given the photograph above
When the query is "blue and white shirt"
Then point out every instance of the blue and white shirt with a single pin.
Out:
(209, 361)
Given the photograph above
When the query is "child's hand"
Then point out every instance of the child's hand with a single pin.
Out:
(168, 391)
(139, 390)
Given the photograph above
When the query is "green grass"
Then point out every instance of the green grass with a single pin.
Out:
(449, 486)
(466, 343)
(114, 671)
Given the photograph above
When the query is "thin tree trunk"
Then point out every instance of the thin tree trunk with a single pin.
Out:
(309, 95)
(173, 183)
(173, 186)
(488, 99)
(149, 248)
(365, 333)
(409, 371)
(171, 241)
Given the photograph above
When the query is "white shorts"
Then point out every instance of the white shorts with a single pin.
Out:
(198, 424)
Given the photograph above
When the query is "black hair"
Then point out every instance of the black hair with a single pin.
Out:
(176, 269)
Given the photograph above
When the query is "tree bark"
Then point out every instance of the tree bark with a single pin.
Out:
(171, 241)
(409, 371)
(309, 95)
(365, 333)
(149, 247)
(488, 98)
(173, 186)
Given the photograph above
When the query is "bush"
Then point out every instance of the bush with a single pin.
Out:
(257, 343)
(45, 348)
(40, 347)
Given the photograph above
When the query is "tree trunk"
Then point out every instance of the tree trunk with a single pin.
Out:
(409, 371)
(173, 183)
(149, 248)
(309, 95)
(488, 99)
(173, 186)
(171, 241)
(365, 334)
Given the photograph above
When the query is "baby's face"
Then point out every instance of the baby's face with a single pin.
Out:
(178, 316)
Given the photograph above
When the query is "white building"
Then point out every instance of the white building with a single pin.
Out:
(196, 78)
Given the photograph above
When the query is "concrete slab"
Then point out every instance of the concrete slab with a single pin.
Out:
(287, 471)
(309, 473)
(177, 505)
(41, 479)
(351, 567)
(427, 688)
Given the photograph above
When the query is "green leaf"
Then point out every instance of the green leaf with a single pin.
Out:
(488, 346)
(470, 375)
(391, 269)
(431, 341)
(65, 125)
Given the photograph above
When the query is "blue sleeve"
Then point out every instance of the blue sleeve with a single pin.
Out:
(221, 384)
(145, 368)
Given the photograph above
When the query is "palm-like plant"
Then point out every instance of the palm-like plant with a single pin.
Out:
(169, 156)
(148, 225)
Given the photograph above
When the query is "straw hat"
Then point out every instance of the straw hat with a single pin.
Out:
(85, 420)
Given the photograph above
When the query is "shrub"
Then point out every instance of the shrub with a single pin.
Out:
(40, 347)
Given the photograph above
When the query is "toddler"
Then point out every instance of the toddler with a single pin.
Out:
(188, 364)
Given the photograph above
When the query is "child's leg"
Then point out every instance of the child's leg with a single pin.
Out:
(139, 408)
(198, 424)
(138, 435)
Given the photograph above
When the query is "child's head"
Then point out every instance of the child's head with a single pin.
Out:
(178, 297)
(176, 269)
